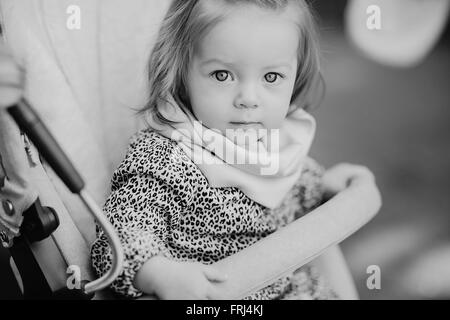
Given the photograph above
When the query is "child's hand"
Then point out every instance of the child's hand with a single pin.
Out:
(173, 280)
(339, 177)
(190, 281)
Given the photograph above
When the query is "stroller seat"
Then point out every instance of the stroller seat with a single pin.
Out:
(87, 106)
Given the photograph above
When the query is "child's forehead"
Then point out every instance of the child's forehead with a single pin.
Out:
(220, 10)
(225, 6)
(254, 32)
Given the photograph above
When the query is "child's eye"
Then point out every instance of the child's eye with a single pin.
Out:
(272, 77)
(221, 75)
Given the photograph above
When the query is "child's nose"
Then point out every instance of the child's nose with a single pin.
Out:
(247, 96)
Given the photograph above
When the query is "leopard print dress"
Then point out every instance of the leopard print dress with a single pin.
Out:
(161, 204)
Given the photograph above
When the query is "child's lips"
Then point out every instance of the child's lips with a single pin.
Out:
(247, 124)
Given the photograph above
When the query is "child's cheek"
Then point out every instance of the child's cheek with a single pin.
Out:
(200, 92)
(275, 111)
(209, 103)
(206, 87)
(219, 95)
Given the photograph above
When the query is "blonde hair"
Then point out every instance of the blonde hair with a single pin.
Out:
(187, 21)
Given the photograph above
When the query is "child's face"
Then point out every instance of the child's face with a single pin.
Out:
(243, 71)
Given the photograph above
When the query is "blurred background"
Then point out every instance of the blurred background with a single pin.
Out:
(396, 121)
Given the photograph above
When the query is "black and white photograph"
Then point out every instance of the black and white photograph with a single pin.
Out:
(233, 150)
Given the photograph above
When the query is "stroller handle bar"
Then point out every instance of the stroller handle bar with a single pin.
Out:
(30, 123)
(116, 268)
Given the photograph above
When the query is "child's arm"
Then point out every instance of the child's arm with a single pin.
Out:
(171, 280)
(149, 192)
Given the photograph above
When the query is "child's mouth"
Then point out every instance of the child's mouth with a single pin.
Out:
(247, 125)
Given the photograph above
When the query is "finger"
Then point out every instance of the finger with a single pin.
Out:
(213, 274)
(361, 172)
(351, 172)
(12, 227)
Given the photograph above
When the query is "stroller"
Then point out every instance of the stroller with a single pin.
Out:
(84, 63)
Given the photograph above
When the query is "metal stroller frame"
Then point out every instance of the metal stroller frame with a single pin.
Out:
(41, 221)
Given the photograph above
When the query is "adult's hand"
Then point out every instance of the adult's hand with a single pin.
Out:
(11, 78)
(11, 87)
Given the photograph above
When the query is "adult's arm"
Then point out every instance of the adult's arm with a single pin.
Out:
(301, 241)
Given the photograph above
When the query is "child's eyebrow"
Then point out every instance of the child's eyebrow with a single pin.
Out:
(280, 65)
(215, 60)
(286, 65)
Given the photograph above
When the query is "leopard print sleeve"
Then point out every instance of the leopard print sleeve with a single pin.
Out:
(149, 190)
(310, 192)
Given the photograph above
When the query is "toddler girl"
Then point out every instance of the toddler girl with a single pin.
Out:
(223, 162)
